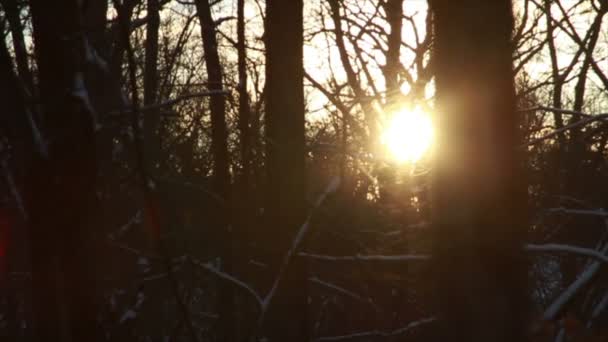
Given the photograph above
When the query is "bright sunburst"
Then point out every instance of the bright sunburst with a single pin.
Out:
(408, 135)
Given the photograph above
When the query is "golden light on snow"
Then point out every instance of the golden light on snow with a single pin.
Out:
(408, 135)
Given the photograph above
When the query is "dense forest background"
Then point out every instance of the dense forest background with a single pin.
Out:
(214, 170)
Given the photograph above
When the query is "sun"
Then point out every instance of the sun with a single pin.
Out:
(409, 135)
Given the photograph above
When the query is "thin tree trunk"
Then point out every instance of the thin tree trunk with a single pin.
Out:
(394, 16)
(479, 193)
(285, 162)
(152, 119)
(244, 109)
(558, 79)
(61, 188)
(221, 172)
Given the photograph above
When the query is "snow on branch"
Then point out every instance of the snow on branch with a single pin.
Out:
(230, 279)
(342, 291)
(358, 257)
(597, 212)
(559, 248)
(551, 247)
(377, 333)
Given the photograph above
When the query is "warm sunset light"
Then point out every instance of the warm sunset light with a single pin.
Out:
(408, 135)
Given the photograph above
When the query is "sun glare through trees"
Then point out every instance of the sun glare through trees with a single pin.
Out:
(408, 135)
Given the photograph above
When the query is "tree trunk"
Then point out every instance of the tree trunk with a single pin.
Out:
(221, 172)
(479, 192)
(285, 162)
(62, 187)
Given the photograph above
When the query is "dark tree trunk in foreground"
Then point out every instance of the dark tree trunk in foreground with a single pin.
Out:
(285, 162)
(479, 191)
(61, 188)
(221, 172)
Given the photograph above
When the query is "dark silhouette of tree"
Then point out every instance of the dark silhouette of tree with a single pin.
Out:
(479, 189)
(285, 208)
(61, 187)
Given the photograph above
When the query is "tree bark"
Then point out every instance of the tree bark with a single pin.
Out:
(62, 186)
(479, 189)
(285, 162)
